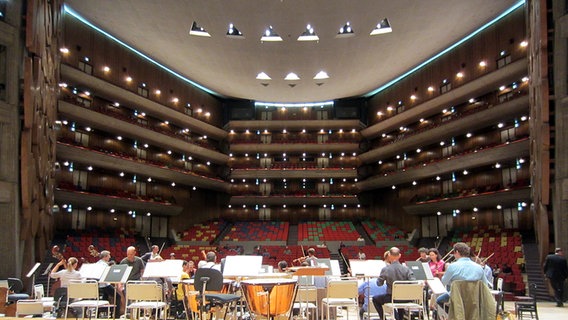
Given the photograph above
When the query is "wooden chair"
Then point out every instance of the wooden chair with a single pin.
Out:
(527, 307)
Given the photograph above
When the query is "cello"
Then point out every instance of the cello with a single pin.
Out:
(56, 254)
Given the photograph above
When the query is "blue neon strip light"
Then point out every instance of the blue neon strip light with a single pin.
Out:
(67, 9)
(471, 35)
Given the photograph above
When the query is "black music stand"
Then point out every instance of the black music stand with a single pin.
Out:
(116, 274)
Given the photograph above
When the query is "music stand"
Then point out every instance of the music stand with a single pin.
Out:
(46, 273)
(242, 266)
(93, 270)
(32, 271)
(421, 270)
(367, 269)
(170, 268)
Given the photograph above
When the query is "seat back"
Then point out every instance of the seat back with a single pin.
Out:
(15, 285)
(88, 289)
(408, 290)
(143, 291)
(38, 291)
(308, 294)
(28, 307)
(342, 289)
(500, 284)
(213, 278)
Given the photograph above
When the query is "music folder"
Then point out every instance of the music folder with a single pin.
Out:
(421, 270)
(117, 273)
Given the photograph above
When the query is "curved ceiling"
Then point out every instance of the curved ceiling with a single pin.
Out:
(356, 65)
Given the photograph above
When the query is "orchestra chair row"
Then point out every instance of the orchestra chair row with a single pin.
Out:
(407, 295)
(145, 296)
(340, 293)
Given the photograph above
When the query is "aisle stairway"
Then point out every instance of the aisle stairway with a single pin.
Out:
(359, 227)
(533, 269)
(292, 234)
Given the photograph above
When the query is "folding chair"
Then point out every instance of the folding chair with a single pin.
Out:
(407, 295)
(26, 307)
(145, 296)
(84, 295)
(307, 301)
(340, 293)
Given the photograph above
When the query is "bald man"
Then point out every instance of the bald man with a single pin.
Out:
(389, 274)
(135, 262)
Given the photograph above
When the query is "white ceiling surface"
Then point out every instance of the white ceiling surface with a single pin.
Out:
(356, 65)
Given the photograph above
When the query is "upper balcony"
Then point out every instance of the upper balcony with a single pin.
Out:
(120, 163)
(112, 91)
(459, 124)
(479, 86)
(119, 126)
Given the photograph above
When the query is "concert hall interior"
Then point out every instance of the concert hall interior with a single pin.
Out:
(268, 127)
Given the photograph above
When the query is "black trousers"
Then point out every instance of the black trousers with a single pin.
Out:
(379, 300)
(558, 286)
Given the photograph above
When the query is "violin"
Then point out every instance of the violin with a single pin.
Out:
(93, 251)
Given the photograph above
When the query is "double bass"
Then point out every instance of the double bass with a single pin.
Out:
(56, 254)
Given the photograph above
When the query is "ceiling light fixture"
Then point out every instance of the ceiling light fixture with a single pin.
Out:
(198, 31)
(263, 76)
(234, 33)
(270, 35)
(382, 27)
(321, 75)
(291, 77)
(308, 35)
(346, 31)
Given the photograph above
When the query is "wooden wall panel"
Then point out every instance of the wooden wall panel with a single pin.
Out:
(37, 144)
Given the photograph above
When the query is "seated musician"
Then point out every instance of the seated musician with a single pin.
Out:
(282, 266)
(152, 255)
(65, 275)
(108, 290)
(463, 269)
(209, 262)
(185, 274)
(311, 259)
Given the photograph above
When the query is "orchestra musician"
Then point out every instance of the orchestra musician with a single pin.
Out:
(310, 259)
(282, 266)
(152, 255)
(107, 289)
(135, 262)
(436, 264)
(65, 276)
(209, 261)
(423, 255)
(389, 274)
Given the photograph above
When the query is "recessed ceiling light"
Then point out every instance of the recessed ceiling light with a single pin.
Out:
(234, 33)
(346, 31)
(308, 34)
(382, 27)
(198, 31)
(270, 35)
(263, 76)
(292, 76)
(321, 75)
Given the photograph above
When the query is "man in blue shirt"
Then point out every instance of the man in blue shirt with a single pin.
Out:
(369, 288)
(462, 269)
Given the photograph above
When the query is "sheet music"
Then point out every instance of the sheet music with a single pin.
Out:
(437, 286)
(368, 268)
(170, 268)
(92, 270)
(236, 266)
